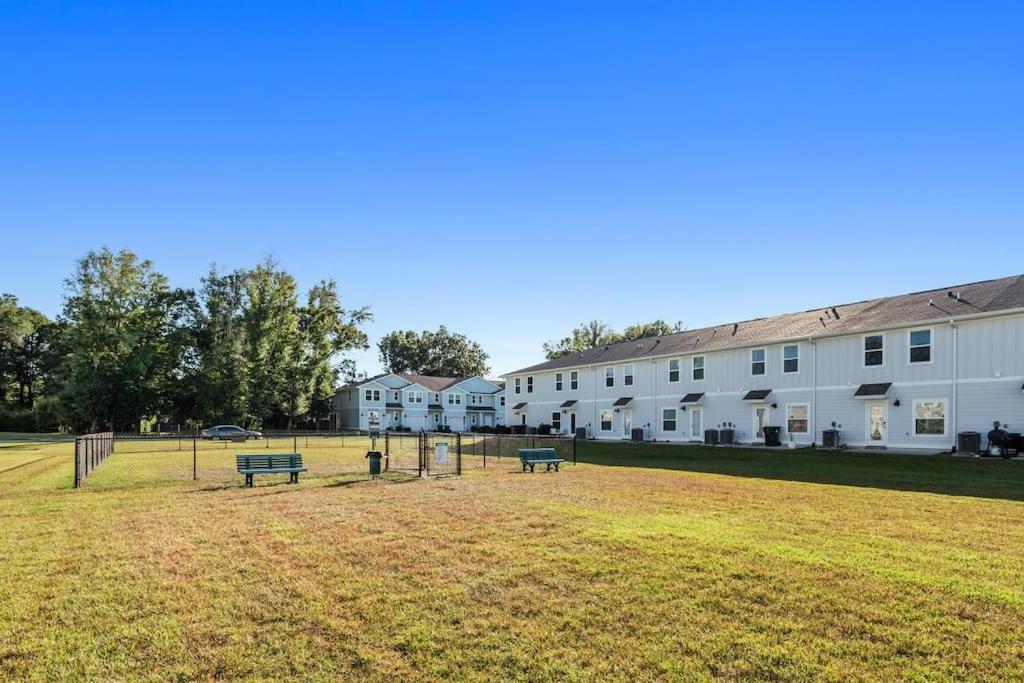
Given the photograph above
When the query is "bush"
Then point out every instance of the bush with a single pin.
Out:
(544, 429)
(502, 429)
(18, 420)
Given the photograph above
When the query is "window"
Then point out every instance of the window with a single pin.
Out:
(921, 346)
(529, 385)
(415, 397)
(455, 399)
(627, 375)
(606, 420)
(396, 396)
(458, 399)
(574, 380)
(558, 381)
(503, 401)
(609, 377)
(874, 350)
(372, 394)
(698, 368)
(757, 362)
(451, 399)
(673, 370)
(668, 420)
(556, 422)
(518, 385)
(797, 418)
(929, 418)
(790, 359)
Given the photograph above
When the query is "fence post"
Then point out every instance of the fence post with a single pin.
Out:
(295, 443)
(195, 475)
(485, 450)
(573, 449)
(78, 476)
(458, 450)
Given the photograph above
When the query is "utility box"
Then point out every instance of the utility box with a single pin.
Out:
(727, 437)
(830, 438)
(637, 434)
(968, 442)
(581, 432)
(374, 457)
(711, 437)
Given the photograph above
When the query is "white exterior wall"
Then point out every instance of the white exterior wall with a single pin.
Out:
(354, 409)
(989, 375)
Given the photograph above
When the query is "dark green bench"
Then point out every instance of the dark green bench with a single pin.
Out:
(251, 464)
(531, 457)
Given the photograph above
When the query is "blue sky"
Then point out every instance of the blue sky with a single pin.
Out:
(513, 169)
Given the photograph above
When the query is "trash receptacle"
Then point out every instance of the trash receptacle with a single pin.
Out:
(374, 457)
(771, 436)
(968, 442)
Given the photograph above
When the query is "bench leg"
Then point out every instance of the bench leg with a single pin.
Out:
(556, 466)
(524, 467)
(294, 477)
(532, 465)
(248, 481)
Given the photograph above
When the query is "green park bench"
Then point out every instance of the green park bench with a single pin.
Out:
(531, 457)
(251, 464)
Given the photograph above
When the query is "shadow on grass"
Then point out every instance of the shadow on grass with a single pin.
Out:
(944, 474)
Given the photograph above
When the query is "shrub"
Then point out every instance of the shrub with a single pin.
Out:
(544, 429)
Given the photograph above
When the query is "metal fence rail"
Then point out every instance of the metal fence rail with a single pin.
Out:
(477, 449)
(91, 450)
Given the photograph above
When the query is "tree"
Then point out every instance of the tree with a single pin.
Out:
(596, 333)
(121, 344)
(21, 351)
(583, 337)
(441, 353)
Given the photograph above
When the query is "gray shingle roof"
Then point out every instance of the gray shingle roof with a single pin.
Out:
(946, 302)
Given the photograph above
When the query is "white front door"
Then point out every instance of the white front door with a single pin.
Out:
(760, 421)
(627, 423)
(877, 432)
(696, 424)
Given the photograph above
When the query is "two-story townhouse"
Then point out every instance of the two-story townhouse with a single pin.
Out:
(419, 402)
(907, 371)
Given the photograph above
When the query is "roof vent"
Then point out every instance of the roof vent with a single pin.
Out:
(835, 312)
(951, 295)
(735, 328)
(822, 321)
(931, 302)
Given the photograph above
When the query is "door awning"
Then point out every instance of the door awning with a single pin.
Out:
(481, 409)
(692, 398)
(393, 405)
(435, 406)
(568, 404)
(622, 402)
(757, 395)
(519, 406)
(872, 390)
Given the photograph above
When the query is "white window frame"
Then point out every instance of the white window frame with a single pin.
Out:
(678, 365)
(628, 374)
(674, 419)
(556, 421)
(763, 362)
(558, 381)
(609, 374)
(458, 399)
(864, 351)
(518, 385)
(945, 418)
(611, 420)
(451, 399)
(574, 380)
(529, 384)
(806, 419)
(372, 395)
(415, 397)
(931, 346)
(797, 359)
(702, 368)
(502, 401)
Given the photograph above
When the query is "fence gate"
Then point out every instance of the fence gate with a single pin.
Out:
(441, 454)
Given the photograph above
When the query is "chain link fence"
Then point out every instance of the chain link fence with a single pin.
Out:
(120, 460)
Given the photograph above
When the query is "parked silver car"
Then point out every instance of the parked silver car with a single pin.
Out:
(230, 432)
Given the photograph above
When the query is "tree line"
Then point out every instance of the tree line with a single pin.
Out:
(242, 348)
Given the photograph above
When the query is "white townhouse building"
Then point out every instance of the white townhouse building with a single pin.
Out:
(420, 402)
(907, 371)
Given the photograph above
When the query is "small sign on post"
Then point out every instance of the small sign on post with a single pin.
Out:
(441, 453)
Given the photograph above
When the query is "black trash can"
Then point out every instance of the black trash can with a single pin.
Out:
(711, 437)
(1013, 444)
(637, 434)
(374, 457)
(830, 438)
(968, 442)
(772, 436)
(727, 437)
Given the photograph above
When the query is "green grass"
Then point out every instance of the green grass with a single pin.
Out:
(703, 563)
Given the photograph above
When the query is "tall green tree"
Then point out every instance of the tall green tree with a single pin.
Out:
(120, 348)
(220, 372)
(441, 353)
(21, 351)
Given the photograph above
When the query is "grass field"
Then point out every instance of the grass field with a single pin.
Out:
(698, 564)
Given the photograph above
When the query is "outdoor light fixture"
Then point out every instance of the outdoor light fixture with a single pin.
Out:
(775, 405)
(896, 402)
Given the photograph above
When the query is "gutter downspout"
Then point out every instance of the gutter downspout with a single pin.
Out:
(814, 391)
(956, 380)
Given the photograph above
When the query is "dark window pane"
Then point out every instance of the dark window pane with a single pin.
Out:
(920, 337)
(791, 365)
(873, 343)
(873, 358)
(757, 369)
(922, 354)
